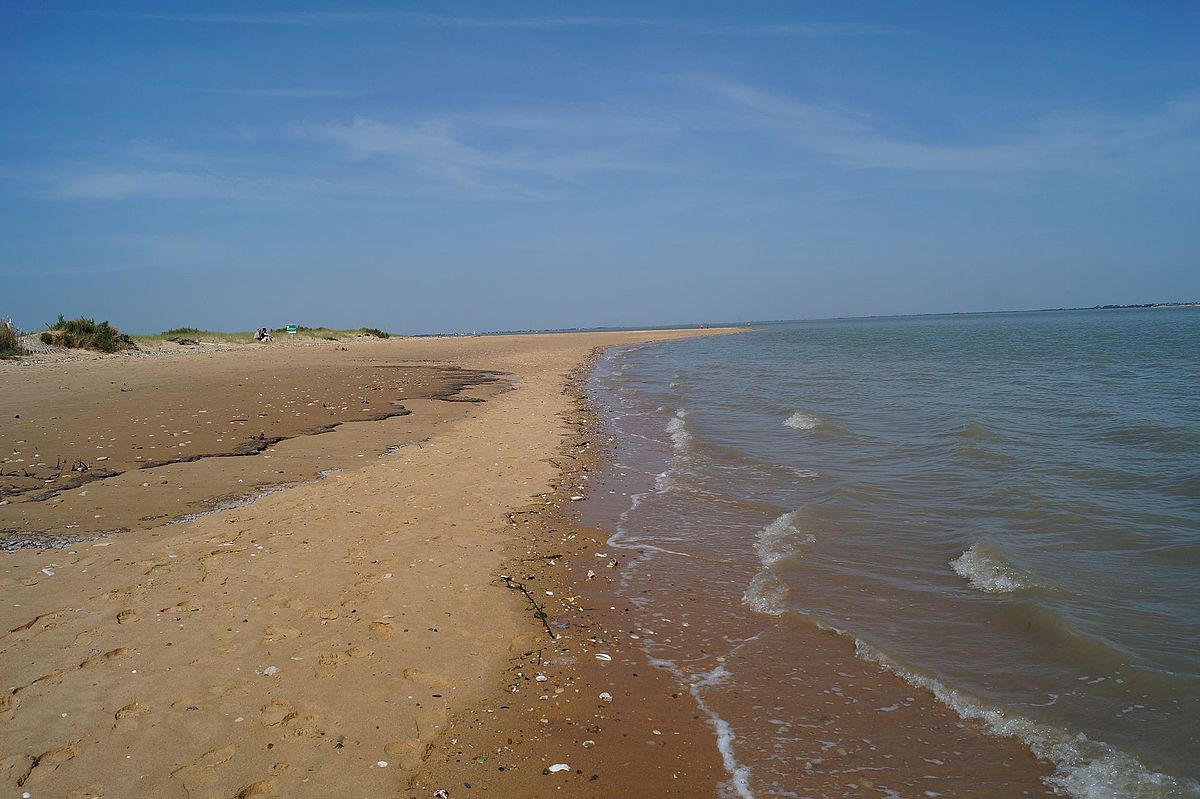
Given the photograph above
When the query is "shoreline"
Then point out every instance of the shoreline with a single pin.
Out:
(495, 710)
(586, 699)
(918, 731)
(315, 640)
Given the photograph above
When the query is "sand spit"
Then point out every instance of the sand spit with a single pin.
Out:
(317, 641)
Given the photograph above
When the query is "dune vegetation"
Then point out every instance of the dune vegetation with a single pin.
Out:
(86, 334)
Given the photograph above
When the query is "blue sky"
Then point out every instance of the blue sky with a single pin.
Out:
(457, 166)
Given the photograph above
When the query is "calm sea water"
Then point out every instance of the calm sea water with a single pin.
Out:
(1002, 508)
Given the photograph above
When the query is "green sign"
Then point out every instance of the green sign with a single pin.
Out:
(291, 329)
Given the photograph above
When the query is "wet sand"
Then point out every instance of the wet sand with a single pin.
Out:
(110, 445)
(629, 723)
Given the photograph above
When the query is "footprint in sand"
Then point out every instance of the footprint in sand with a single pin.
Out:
(324, 615)
(127, 615)
(126, 592)
(104, 657)
(86, 637)
(186, 606)
(274, 633)
(327, 662)
(38, 624)
(408, 754)
(428, 678)
(256, 790)
(9, 703)
(156, 567)
(200, 777)
(225, 689)
(127, 717)
(48, 680)
(216, 756)
(381, 630)
(280, 713)
(46, 763)
(277, 712)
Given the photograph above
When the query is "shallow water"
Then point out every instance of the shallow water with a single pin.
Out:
(1002, 508)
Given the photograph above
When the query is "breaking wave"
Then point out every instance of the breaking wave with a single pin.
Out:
(986, 570)
(1084, 769)
(767, 594)
(781, 539)
(802, 420)
(677, 428)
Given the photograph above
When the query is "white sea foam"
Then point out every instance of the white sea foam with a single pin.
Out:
(781, 538)
(1084, 769)
(738, 783)
(802, 420)
(767, 594)
(986, 570)
(677, 427)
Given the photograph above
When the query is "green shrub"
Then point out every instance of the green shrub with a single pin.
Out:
(86, 334)
(376, 332)
(10, 340)
(183, 331)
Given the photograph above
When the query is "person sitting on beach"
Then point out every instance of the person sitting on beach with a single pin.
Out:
(262, 334)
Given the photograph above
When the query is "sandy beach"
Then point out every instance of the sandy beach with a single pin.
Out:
(358, 570)
(317, 640)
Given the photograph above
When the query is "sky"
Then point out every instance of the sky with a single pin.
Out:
(457, 166)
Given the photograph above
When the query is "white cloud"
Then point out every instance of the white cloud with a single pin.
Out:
(1062, 141)
(436, 148)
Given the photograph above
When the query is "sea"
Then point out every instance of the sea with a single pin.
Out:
(1002, 510)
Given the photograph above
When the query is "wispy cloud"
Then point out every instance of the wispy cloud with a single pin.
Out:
(437, 149)
(293, 18)
(807, 30)
(113, 184)
(537, 151)
(1061, 141)
(296, 93)
(135, 183)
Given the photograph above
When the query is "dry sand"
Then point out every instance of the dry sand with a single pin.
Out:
(317, 641)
